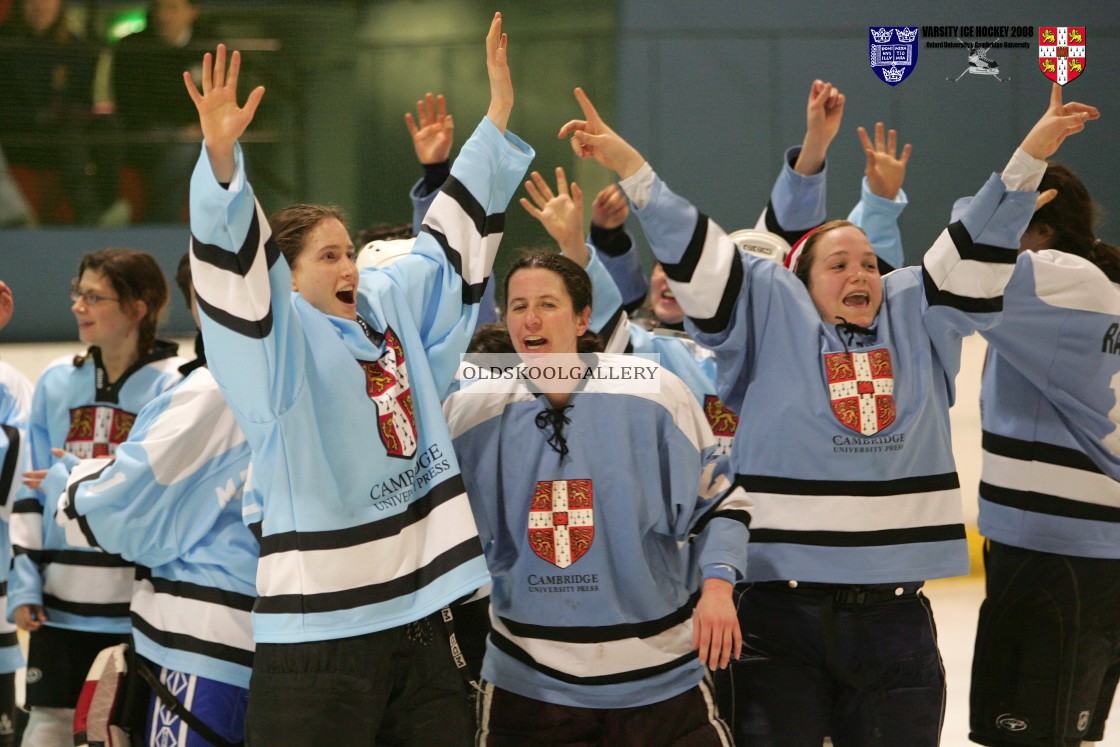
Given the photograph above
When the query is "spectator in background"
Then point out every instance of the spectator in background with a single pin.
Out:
(147, 73)
(46, 84)
(14, 210)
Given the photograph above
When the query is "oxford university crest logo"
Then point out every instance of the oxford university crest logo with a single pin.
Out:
(861, 388)
(1061, 52)
(561, 521)
(893, 51)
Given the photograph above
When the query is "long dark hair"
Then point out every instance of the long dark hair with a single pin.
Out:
(1072, 216)
(134, 276)
(576, 283)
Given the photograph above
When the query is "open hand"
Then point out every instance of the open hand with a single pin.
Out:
(433, 138)
(884, 171)
(561, 213)
(497, 68)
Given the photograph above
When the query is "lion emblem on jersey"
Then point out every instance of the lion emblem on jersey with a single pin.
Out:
(97, 430)
(387, 386)
(861, 387)
(561, 521)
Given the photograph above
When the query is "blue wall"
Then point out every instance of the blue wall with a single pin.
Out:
(712, 92)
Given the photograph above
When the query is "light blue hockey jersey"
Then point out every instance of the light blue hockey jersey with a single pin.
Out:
(15, 406)
(592, 594)
(1049, 403)
(74, 410)
(844, 442)
(171, 503)
(363, 521)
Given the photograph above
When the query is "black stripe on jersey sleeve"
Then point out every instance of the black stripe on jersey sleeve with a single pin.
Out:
(608, 330)
(472, 292)
(378, 529)
(683, 270)
(1044, 503)
(1037, 451)
(872, 488)
(632, 675)
(300, 604)
(27, 506)
(602, 633)
(72, 512)
(484, 224)
(731, 290)
(8, 468)
(734, 514)
(253, 329)
(7, 640)
(877, 538)
(88, 558)
(191, 644)
(87, 609)
(937, 297)
(773, 226)
(969, 249)
(241, 261)
(198, 592)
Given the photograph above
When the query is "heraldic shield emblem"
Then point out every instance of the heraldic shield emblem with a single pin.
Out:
(387, 385)
(1061, 52)
(96, 431)
(561, 521)
(894, 52)
(861, 386)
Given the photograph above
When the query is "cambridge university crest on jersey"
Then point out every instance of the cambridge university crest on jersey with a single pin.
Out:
(561, 521)
(861, 387)
(97, 430)
(387, 385)
(723, 423)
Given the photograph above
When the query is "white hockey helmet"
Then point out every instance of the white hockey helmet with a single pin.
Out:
(762, 243)
(382, 253)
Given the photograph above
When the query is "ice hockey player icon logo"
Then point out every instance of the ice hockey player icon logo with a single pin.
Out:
(979, 63)
(1061, 52)
(561, 521)
(893, 51)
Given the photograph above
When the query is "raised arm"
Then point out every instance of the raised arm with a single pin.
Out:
(432, 139)
(561, 214)
(219, 115)
(881, 197)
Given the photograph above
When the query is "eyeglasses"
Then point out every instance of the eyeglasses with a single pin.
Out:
(89, 298)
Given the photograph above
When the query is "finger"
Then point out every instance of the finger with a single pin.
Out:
(493, 35)
(1055, 96)
(411, 124)
(864, 140)
(192, 90)
(530, 208)
(577, 197)
(1076, 107)
(220, 67)
(58, 452)
(538, 198)
(737, 641)
(725, 650)
(840, 102)
(207, 73)
(542, 185)
(905, 157)
(561, 181)
(588, 108)
(574, 125)
(252, 102)
(892, 142)
(234, 70)
(441, 107)
(878, 137)
(1044, 198)
(429, 108)
(581, 145)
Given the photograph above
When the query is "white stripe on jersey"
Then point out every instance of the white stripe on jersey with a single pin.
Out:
(1071, 282)
(969, 278)
(855, 513)
(1051, 479)
(247, 298)
(207, 621)
(87, 584)
(701, 296)
(26, 530)
(448, 217)
(305, 572)
(606, 657)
